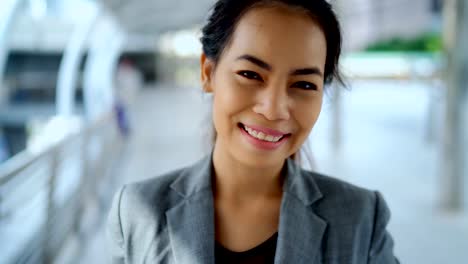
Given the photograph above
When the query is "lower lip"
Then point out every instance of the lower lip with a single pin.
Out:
(264, 145)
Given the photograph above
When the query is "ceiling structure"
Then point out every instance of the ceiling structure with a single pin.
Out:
(146, 20)
(154, 17)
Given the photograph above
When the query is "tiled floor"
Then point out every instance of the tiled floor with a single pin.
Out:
(383, 148)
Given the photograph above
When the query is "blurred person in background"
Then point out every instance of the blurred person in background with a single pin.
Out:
(129, 81)
(266, 63)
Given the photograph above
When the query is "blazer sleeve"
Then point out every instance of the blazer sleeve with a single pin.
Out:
(381, 249)
(115, 240)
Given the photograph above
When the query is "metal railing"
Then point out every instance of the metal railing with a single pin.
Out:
(44, 197)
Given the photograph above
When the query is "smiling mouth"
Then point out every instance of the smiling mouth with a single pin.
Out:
(261, 135)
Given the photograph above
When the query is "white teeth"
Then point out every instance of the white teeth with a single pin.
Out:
(262, 136)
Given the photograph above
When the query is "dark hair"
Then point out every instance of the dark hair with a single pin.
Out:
(218, 31)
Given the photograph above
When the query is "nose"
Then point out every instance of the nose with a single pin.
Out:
(273, 104)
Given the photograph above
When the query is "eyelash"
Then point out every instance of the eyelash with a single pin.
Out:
(246, 74)
(308, 84)
(255, 76)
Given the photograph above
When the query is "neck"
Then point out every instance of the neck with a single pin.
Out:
(238, 181)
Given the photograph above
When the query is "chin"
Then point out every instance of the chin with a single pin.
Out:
(257, 160)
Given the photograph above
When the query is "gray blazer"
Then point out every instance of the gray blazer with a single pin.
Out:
(170, 219)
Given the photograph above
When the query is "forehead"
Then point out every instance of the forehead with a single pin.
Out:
(279, 35)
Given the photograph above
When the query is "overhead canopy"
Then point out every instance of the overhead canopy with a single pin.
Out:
(158, 16)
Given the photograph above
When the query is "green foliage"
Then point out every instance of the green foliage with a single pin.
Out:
(429, 42)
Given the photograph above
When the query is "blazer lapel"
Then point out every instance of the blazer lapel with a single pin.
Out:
(191, 222)
(300, 229)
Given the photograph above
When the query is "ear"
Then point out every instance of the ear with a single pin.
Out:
(207, 70)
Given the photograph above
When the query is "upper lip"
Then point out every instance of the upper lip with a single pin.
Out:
(266, 130)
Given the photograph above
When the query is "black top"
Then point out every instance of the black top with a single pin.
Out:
(261, 254)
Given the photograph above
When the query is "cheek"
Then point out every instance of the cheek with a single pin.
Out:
(308, 113)
(229, 99)
(221, 119)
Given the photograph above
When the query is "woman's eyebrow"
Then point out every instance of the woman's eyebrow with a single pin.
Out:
(255, 61)
(260, 63)
(307, 71)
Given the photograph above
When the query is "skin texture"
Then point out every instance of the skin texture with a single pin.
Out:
(247, 181)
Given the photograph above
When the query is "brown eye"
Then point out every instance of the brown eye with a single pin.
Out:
(305, 85)
(250, 75)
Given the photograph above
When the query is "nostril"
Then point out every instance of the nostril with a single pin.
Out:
(273, 111)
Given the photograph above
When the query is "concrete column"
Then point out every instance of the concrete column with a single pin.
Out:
(454, 170)
(337, 117)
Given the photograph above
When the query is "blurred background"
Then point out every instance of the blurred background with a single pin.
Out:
(98, 93)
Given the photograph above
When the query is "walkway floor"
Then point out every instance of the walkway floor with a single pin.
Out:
(384, 147)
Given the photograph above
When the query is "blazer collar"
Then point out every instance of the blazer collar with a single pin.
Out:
(191, 222)
(198, 178)
(301, 184)
(195, 178)
(300, 229)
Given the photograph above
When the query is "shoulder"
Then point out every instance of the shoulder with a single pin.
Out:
(151, 198)
(355, 214)
(338, 190)
(153, 195)
(137, 213)
(139, 207)
(153, 188)
(340, 197)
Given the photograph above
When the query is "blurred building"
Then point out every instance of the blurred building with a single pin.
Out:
(368, 21)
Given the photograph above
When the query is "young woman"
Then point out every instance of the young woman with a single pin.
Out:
(266, 62)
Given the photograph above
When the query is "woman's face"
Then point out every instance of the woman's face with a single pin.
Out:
(267, 86)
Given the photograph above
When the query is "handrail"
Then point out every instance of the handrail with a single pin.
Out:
(9, 168)
(62, 193)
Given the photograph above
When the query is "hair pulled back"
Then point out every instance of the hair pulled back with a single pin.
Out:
(225, 15)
